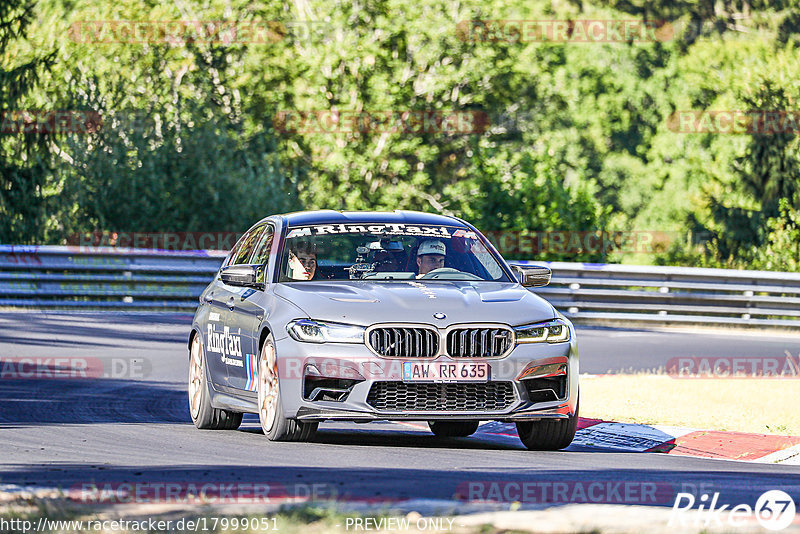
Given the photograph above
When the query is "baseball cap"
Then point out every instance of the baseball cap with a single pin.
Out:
(432, 247)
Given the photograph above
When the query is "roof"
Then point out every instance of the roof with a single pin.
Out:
(301, 218)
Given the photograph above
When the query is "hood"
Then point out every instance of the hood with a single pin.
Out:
(365, 303)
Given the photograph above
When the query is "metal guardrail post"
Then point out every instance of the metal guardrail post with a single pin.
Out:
(58, 277)
(673, 295)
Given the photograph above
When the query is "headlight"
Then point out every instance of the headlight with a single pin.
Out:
(555, 331)
(321, 332)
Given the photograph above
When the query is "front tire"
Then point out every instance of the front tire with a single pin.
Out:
(270, 408)
(453, 429)
(549, 435)
(205, 416)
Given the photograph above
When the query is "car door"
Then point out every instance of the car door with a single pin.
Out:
(249, 311)
(216, 299)
(245, 314)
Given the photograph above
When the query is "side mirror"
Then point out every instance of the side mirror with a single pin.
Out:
(241, 275)
(532, 275)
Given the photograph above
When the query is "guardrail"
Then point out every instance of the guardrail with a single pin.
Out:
(64, 277)
(615, 293)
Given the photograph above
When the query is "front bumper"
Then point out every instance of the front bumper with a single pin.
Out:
(318, 413)
(354, 361)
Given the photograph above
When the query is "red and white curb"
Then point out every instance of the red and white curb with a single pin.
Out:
(677, 441)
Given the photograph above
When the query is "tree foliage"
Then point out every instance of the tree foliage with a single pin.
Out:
(24, 157)
(577, 135)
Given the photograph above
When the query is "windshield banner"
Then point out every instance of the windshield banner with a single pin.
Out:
(388, 228)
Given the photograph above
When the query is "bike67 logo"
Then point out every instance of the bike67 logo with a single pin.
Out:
(774, 510)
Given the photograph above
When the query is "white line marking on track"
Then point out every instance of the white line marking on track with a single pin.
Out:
(790, 456)
(622, 436)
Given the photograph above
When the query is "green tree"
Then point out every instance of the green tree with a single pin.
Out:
(781, 248)
(524, 193)
(23, 154)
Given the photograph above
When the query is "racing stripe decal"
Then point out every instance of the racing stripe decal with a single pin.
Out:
(253, 370)
(248, 372)
(250, 367)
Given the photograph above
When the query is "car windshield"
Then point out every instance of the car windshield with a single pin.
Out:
(386, 252)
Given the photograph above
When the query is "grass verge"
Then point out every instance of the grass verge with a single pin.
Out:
(765, 406)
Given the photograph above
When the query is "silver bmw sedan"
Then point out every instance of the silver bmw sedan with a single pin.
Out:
(366, 316)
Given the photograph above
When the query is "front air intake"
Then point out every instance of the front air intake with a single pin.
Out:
(418, 397)
(404, 342)
(479, 342)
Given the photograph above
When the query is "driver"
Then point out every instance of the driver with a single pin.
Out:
(303, 261)
(430, 256)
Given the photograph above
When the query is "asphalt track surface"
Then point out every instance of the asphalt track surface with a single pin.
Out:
(134, 426)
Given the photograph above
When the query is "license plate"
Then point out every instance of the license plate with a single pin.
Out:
(445, 371)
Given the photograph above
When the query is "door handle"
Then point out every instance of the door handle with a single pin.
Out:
(209, 298)
(231, 303)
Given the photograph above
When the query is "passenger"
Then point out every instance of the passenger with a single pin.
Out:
(430, 256)
(302, 261)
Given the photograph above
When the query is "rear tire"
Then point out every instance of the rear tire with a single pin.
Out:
(453, 429)
(549, 434)
(205, 416)
(270, 408)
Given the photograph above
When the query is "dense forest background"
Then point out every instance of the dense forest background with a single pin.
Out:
(579, 135)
